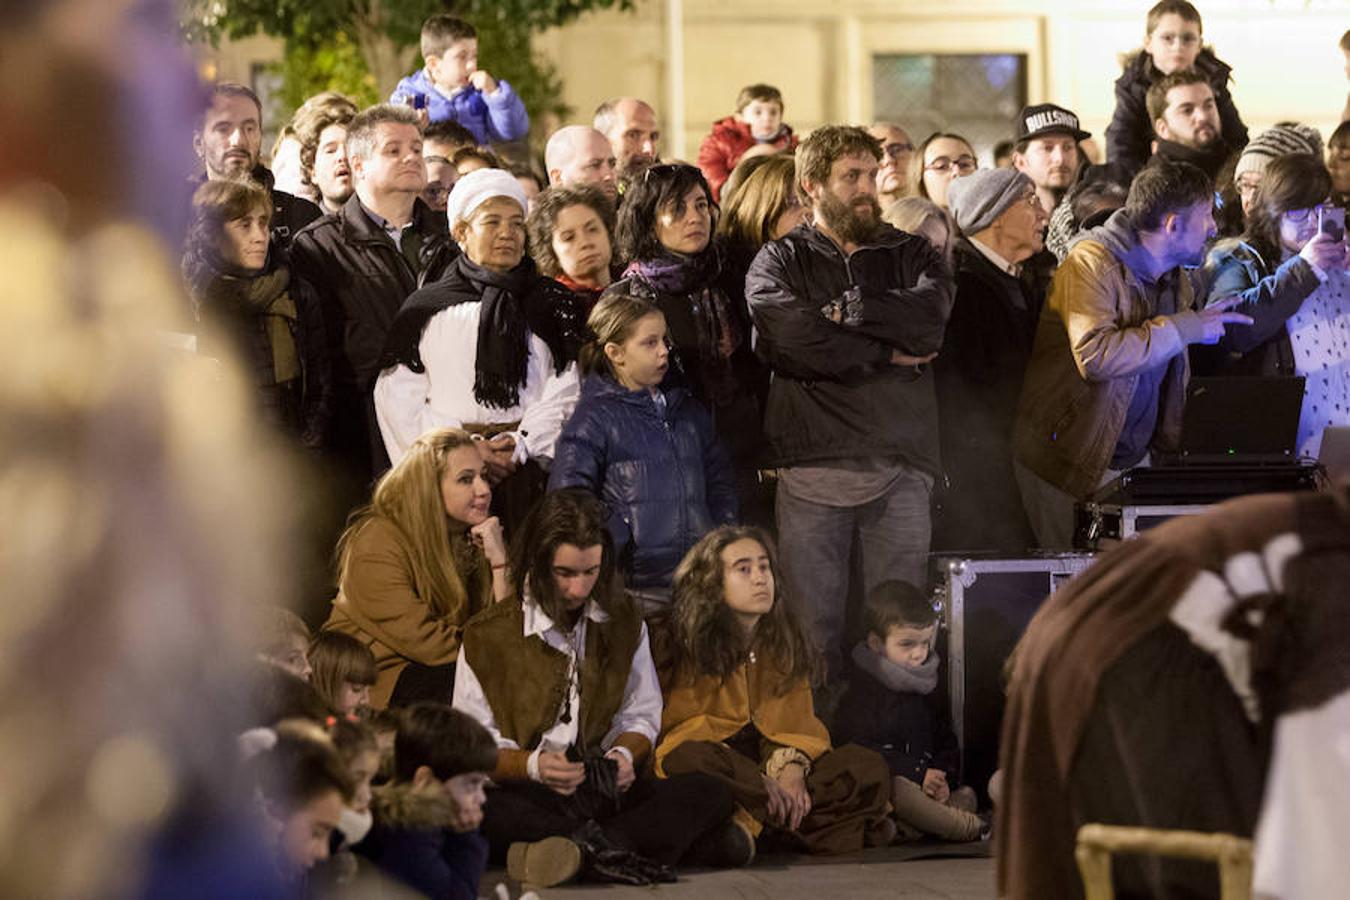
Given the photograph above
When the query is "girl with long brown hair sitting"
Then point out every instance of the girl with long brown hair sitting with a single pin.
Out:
(736, 677)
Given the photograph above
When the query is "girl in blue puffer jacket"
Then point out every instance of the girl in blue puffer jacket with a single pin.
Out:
(646, 446)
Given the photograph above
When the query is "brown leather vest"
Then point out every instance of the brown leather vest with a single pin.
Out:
(525, 680)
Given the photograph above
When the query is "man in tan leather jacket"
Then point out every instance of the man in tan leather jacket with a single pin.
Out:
(1107, 376)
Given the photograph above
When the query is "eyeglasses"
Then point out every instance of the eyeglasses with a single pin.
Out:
(897, 150)
(963, 164)
(1299, 216)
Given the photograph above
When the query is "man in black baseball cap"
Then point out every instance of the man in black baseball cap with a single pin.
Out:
(1047, 150)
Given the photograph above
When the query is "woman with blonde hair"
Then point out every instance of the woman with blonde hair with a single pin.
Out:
(763, 207)
(921, 216)
(416, 563)
(737, 683)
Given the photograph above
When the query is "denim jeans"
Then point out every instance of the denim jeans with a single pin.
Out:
(815, 544)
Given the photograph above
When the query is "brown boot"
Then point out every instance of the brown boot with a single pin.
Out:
(545, 863)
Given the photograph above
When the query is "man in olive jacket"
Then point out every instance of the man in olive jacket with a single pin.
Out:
(848, 311)
(1107, 377)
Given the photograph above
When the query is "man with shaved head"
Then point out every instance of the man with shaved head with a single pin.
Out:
(578, 154)
(896, 150)
(630, 125)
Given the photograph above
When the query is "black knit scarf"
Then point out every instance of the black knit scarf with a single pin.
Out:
(513, 302)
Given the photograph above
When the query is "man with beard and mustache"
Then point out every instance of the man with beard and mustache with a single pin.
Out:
(1186, 121)
(321, 127)
(630, 125)
(1108, 370)
(229, 144)
(848, 311)
(1047, 151)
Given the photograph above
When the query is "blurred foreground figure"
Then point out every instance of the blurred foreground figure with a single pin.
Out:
(1196, 678)
(134, 537)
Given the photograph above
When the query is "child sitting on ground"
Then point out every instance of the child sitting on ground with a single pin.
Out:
(426, 820)
(283, 640)
(301, 788)
(356, 747)
(758, 123)
(343, 671)
(1172, 43)
(893, 706)
(451, 86)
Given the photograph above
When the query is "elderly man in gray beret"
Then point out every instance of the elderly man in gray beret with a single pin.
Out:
(984, 355)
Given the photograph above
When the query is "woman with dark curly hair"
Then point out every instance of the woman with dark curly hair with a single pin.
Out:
(571, 231)
(242, 289)
(737, 680)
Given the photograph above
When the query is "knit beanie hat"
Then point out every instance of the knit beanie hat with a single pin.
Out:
(977, 199)
(479, 186)
(1279, 140)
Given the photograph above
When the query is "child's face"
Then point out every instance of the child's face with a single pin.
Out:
(764, 117)
(352, 697)
(363, 770)
(905, 645)
(295, 658)
(306, 831)
(467, 796)
(1174, 44)
(451, 71)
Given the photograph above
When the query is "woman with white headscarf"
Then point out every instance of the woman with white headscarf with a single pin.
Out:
(488, 348)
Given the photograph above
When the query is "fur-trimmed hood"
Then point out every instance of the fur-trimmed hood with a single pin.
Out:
(400, 806)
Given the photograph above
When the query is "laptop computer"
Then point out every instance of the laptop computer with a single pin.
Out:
(1239, 419)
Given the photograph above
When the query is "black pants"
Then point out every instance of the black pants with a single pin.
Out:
(417, 683)
(658, 818)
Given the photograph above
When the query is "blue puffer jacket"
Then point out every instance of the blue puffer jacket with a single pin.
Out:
(493, 118)
(665, 479)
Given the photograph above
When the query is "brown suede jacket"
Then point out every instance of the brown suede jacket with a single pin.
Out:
(380, 604)
(1101, 328)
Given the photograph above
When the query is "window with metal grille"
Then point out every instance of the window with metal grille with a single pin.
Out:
(977, 96)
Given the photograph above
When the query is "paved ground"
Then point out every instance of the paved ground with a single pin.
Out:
(890, 873)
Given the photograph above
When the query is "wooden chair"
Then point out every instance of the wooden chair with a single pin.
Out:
(1097, 843)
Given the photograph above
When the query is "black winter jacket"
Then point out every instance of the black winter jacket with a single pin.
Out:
(833, 392)
(1130, 134)
(362, 280)
(665, 479)
(912, 732)
(979, 383)
(302, 407)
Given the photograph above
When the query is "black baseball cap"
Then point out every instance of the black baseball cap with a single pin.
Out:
(1047, 118)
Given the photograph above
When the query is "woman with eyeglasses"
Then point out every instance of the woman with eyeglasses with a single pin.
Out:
(666, 241)
(1292, 280)
(938, 160)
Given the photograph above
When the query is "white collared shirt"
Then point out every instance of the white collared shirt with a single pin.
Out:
(639, 712)
(1013, 269)
(408, 403)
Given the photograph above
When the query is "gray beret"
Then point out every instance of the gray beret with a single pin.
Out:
(977, 199)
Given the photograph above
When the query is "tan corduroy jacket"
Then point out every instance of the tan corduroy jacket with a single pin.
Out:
(1100, 329)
